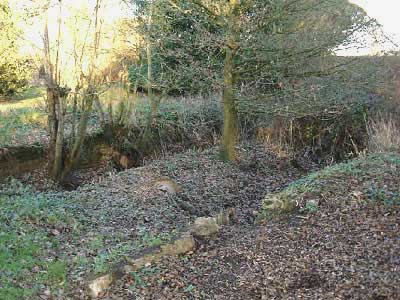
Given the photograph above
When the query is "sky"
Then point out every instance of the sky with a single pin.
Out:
(33, 31)
(387, 13)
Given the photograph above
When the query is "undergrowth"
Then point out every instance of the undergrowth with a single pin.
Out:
(179, 124)
(384, 134)
(23, 118)
(49, 243)
(29, 225)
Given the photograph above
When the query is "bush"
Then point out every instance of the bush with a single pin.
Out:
(322, 136)
(179, 124)
(14, 77)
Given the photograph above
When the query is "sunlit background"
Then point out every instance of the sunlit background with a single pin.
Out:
(386, 12)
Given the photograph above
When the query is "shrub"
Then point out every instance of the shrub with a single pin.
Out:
(180, 123)
(14, 77)
(322, 136)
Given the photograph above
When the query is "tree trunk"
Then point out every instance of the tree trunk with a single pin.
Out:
(110, 113)
(58, 151)
(100, 112)
(74, 113)
(229, 134)
(52, 120)
(131, 103)
(90, 96)
(74, 155)
(153, 102)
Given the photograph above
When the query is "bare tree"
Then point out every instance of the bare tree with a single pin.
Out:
(60, 162)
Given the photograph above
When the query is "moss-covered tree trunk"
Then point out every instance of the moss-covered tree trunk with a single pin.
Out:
(229, 135)
(151, 116)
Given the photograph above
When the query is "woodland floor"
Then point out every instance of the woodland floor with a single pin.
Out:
(346, 246)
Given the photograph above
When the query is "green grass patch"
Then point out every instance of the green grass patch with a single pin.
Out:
(23, 118)
(31, 98)
(28, 243)
(22, 126)
(372, 179)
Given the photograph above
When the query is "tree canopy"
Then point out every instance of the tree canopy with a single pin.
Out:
(14, 70)
(249, 49)
(275, 39)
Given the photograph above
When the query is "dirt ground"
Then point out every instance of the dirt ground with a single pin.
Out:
(347, 249)
(124, 206)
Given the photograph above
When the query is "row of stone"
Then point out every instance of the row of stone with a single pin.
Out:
(204, 228)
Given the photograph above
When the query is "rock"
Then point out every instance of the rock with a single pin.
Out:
(181, 246)
(125, 160)
(167, 185)
(144, 260)
(279, 204)
(205, 228)
(55, 232)
(358, 195)
(100, 284)
(313, 202)
(208, 227)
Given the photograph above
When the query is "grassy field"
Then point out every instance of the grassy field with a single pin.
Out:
(23, 243)
(31, 98)
(23, 119)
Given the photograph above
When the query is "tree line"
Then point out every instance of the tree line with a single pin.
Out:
(248, 51)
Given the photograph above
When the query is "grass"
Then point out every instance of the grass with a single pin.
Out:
(49, 242)
(191, 120)
(384, 134)
(26, 242)
(23, 119)
(373, 178)
(33, 97)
